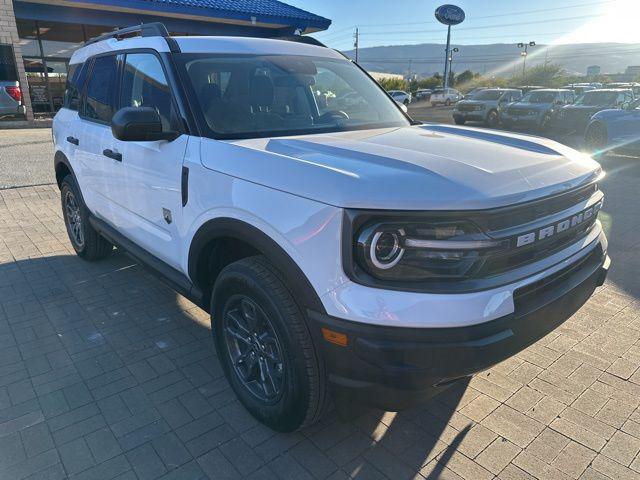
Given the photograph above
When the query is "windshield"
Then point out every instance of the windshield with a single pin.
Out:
(539, 97)
(595, 98)
(247, 96)
(487, 95)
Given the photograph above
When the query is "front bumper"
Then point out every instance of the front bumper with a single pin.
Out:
(394, 368)
(475, 116)
(521, 120)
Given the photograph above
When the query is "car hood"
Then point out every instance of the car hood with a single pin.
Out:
(531, 106)
(608, 113)
(429, 167)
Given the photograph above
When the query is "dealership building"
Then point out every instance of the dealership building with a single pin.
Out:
(37, 37)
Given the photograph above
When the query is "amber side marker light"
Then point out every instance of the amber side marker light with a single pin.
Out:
(336, 338)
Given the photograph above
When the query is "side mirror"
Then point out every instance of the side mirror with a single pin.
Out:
(139, 124)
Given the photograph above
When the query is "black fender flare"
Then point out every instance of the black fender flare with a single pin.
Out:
(223, 227)
(61, 158)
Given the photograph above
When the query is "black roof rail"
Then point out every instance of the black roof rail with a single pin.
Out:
(301, 39)
(153, 29)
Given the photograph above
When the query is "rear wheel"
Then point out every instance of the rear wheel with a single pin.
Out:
(596, 137)
(86, 241)
(492, 119)
(265, 347)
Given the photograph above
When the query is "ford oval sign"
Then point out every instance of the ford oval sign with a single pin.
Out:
(450, 14)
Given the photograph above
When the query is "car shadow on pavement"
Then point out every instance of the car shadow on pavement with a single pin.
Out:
(110, 365)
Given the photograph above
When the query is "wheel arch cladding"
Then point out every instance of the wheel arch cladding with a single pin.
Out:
(62, 167)
(222, 241)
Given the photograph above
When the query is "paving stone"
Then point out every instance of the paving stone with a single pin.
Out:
(513, 425)
(622, 448)
(574, 459)
(498, 455)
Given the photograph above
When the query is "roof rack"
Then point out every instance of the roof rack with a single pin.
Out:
(153, 29)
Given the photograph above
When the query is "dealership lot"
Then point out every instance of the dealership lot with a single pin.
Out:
(106, 373)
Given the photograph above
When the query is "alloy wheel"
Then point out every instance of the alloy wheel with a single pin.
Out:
(74, 219)
(254, 348)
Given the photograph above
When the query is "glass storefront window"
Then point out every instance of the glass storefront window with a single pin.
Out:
(60, 39)
(28, 38)
(57, 72)
(37, 81)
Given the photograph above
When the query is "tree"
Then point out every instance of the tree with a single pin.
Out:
(551, 75)
(393, 84)
(465, 78)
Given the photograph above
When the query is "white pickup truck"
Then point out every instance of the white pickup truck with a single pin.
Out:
(340, 248)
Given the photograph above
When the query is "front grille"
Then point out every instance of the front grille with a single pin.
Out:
(510, 224)
(466, 108)
(519, 112)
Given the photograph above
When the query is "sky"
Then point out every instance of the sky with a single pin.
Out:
(487, 21)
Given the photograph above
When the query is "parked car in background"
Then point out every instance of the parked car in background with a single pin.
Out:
(527, 88)
(423, 94)
(472, 92)
(575, 117)
(635, 86)
(10, 98)
(448, 96)
(485, 106)
(400, 96)
(535, 110)
(615, 129)
(579, 88)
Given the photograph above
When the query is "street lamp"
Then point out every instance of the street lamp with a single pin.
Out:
(523, 53)
(451, 52)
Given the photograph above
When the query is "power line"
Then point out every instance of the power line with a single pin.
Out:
(482, 27)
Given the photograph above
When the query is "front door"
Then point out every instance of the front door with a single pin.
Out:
(152, 171)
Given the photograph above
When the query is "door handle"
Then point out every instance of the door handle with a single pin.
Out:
(73, 140)
(111, 154)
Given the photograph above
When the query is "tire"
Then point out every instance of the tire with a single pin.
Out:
(447, 102)
(459, 121)
(544, 123)
(595, 138)
(406, 102)
(492, 119)
(250, 297)
(86, 241)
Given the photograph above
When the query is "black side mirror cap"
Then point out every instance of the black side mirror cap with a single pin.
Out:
(139, 124)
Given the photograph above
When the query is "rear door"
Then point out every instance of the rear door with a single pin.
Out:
(99, 174)
(150, 184)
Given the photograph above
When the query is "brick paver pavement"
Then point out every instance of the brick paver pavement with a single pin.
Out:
(105, 373)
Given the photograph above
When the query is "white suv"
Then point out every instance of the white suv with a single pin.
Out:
(445, 96)
(340, 247)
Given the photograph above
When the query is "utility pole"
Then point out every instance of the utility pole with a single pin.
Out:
(409, 75)
(523, 53)
(451, 52)
(356, 42)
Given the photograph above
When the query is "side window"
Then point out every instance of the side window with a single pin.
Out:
(75, 83)
(144, 84)
(101, 86)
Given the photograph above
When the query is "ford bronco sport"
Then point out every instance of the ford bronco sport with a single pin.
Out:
(339, 247)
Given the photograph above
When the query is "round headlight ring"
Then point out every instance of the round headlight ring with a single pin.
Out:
(385, 250)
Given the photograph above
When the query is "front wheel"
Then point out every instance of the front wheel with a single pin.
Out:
(406, 102)
(459, 121)
(447, 102)
(265, 347)
(86, 241)
(492, 119)
(544, 124)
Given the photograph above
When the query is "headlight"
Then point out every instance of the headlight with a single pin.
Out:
(420, 251)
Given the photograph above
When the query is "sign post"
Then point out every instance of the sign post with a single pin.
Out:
(448, 15)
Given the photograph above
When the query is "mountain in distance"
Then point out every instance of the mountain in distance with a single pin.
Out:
(427, 58)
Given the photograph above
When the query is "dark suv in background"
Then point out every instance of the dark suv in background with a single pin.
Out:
(536, 108)
(575, 117)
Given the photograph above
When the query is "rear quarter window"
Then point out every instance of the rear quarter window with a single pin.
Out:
(75, 83)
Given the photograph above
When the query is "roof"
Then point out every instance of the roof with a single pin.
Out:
(213, 44)
(248, 11)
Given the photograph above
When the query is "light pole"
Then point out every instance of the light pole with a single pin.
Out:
(451, 52)
(448, 15)
(523, 53)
